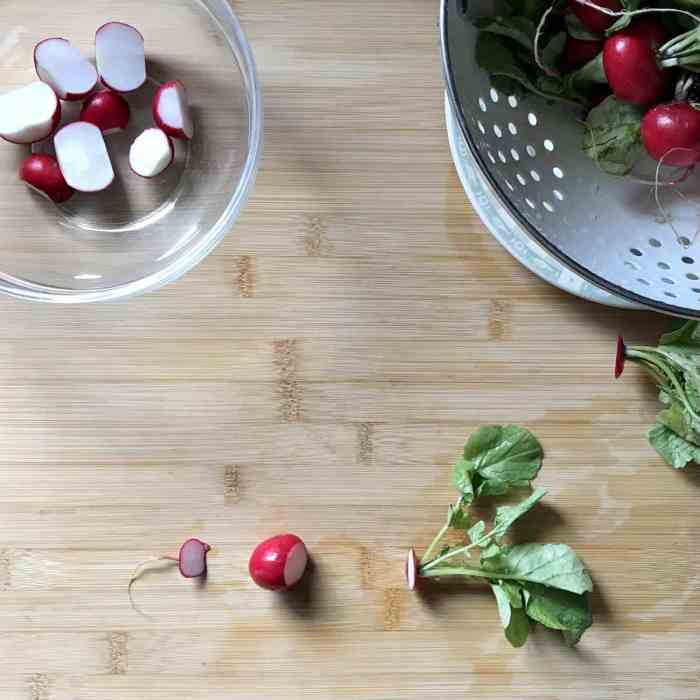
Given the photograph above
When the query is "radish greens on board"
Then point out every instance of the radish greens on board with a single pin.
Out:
(544, 583)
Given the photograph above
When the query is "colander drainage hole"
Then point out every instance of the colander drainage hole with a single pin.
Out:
(670, 294)
(532, 118)
(491, 158)
(684, 241)
(521, 179)
(502, 157)
(641, 280)
(654, 243)
(535, 175)
(687, 260)
(497, 130)
(482, 104)
(548, 207)
(512, 128)
(482, 129)
(531, 151)
(636, 251)
(696, 290)
(529, 203)
(558, 195)
(509, 186)
(667, 280)
(692, 277)
(494, 95)
(513, 101)
(548, 145)
(663, 266)
(631, 265)
(558, 172)
(515, 154)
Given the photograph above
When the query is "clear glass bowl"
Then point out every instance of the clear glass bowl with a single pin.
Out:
(139, 234)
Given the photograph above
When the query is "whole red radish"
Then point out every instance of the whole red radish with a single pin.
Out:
(411, 569)
(278, 563)
(578, 52)
(595, 20)
(171, 110)
(671, 134)
(631, 65)
(43, 174)
(107, 110)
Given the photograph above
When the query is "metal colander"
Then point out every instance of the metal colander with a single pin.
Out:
(608, 229)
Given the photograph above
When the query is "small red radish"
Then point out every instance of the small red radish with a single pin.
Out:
(278, 563)
(29, 114)
(82, 155)
(191, 560)
(107, 110)
(43, 174)
(671, 134)
(64, 68)
(631, 65)
(121, 56)
(151, 153)
(595, 20)
(578, 52)
(171, 110)
(411, 569)
(619, 357)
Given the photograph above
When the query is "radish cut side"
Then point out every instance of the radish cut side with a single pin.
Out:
(619, 357)
(29, 114)
(171, 110)
(82, 155)
(193, 558)
(411, 569)
(294, 567)
(121, 56)
(65, 69)
(151, 153)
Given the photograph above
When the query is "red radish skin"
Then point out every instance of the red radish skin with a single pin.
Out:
(107, 110)
(43, 174)
(578, 52)
(30, 114)
(411, 569)
(121, 57)
(279, 563)
(671, 134)
(619, 357)
(171, 110)
(630, 62)
(64, 68)
(595, 20)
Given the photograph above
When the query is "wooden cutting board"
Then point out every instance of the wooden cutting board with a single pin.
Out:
(319, 373)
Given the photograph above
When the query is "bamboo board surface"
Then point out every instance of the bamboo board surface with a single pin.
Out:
(319, 373)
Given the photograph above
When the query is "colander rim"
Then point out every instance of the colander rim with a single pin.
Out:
(531, 231)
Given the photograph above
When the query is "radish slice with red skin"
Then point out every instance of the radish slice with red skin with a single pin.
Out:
(43, 174)
(192, 559)
(29, 114)
(411, 569)
(121, 56)
(82, 155)
(279, 563)
(620, 357)
(107, 110)
(171, 110)
(65, 69)
(151, 153)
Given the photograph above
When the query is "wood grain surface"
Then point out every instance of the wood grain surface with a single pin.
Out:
(319, 373)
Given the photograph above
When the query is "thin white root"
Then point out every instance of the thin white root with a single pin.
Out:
(536, 43)
(138, 571)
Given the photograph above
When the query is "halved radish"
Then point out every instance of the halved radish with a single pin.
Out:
(121, 56)
(278, 563)
(64, 68)
(411, 569)
(82, 155)
(151, 153)
(171, 110)
(42, 173)
(29, 114)
(107, 110)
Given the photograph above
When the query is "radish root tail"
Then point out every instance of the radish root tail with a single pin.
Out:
(138, 572)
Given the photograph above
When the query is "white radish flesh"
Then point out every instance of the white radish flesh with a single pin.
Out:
(121, 56)
(82, 155)
(171, 110)
(151, 153)
(29, 114)
(411, 569)
(65, 69)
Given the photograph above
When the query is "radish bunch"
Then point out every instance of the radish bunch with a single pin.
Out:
(32, 114)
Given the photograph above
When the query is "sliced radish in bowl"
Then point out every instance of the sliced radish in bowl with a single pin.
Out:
(65, 69)
(151, 153)
(29, 114)
(82, 155)
(121, 56)
(43, 174)
(171, 110)
(107, 110)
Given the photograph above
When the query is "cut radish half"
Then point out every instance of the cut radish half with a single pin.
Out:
(82, 155)
(107, 110)
(171, 110)
(121, 56)
(29, 114)
(192, 559)
(151, 153)
(43, 174)
(411, 569)
(620, 357)
(65, 69)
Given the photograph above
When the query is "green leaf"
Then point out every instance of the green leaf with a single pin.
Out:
(490, 551)
(554, 565)
(560, 610)
(622, 22)
(507, 515)
(550, 54)
(675, 450)
(519, 29)
(503, 602)
(518, 629)
(685, 336)
(612, 135)
(445, 549)
(477, 531)
(578, 30)
(458, 519)
(462, 476)
(514, 592)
